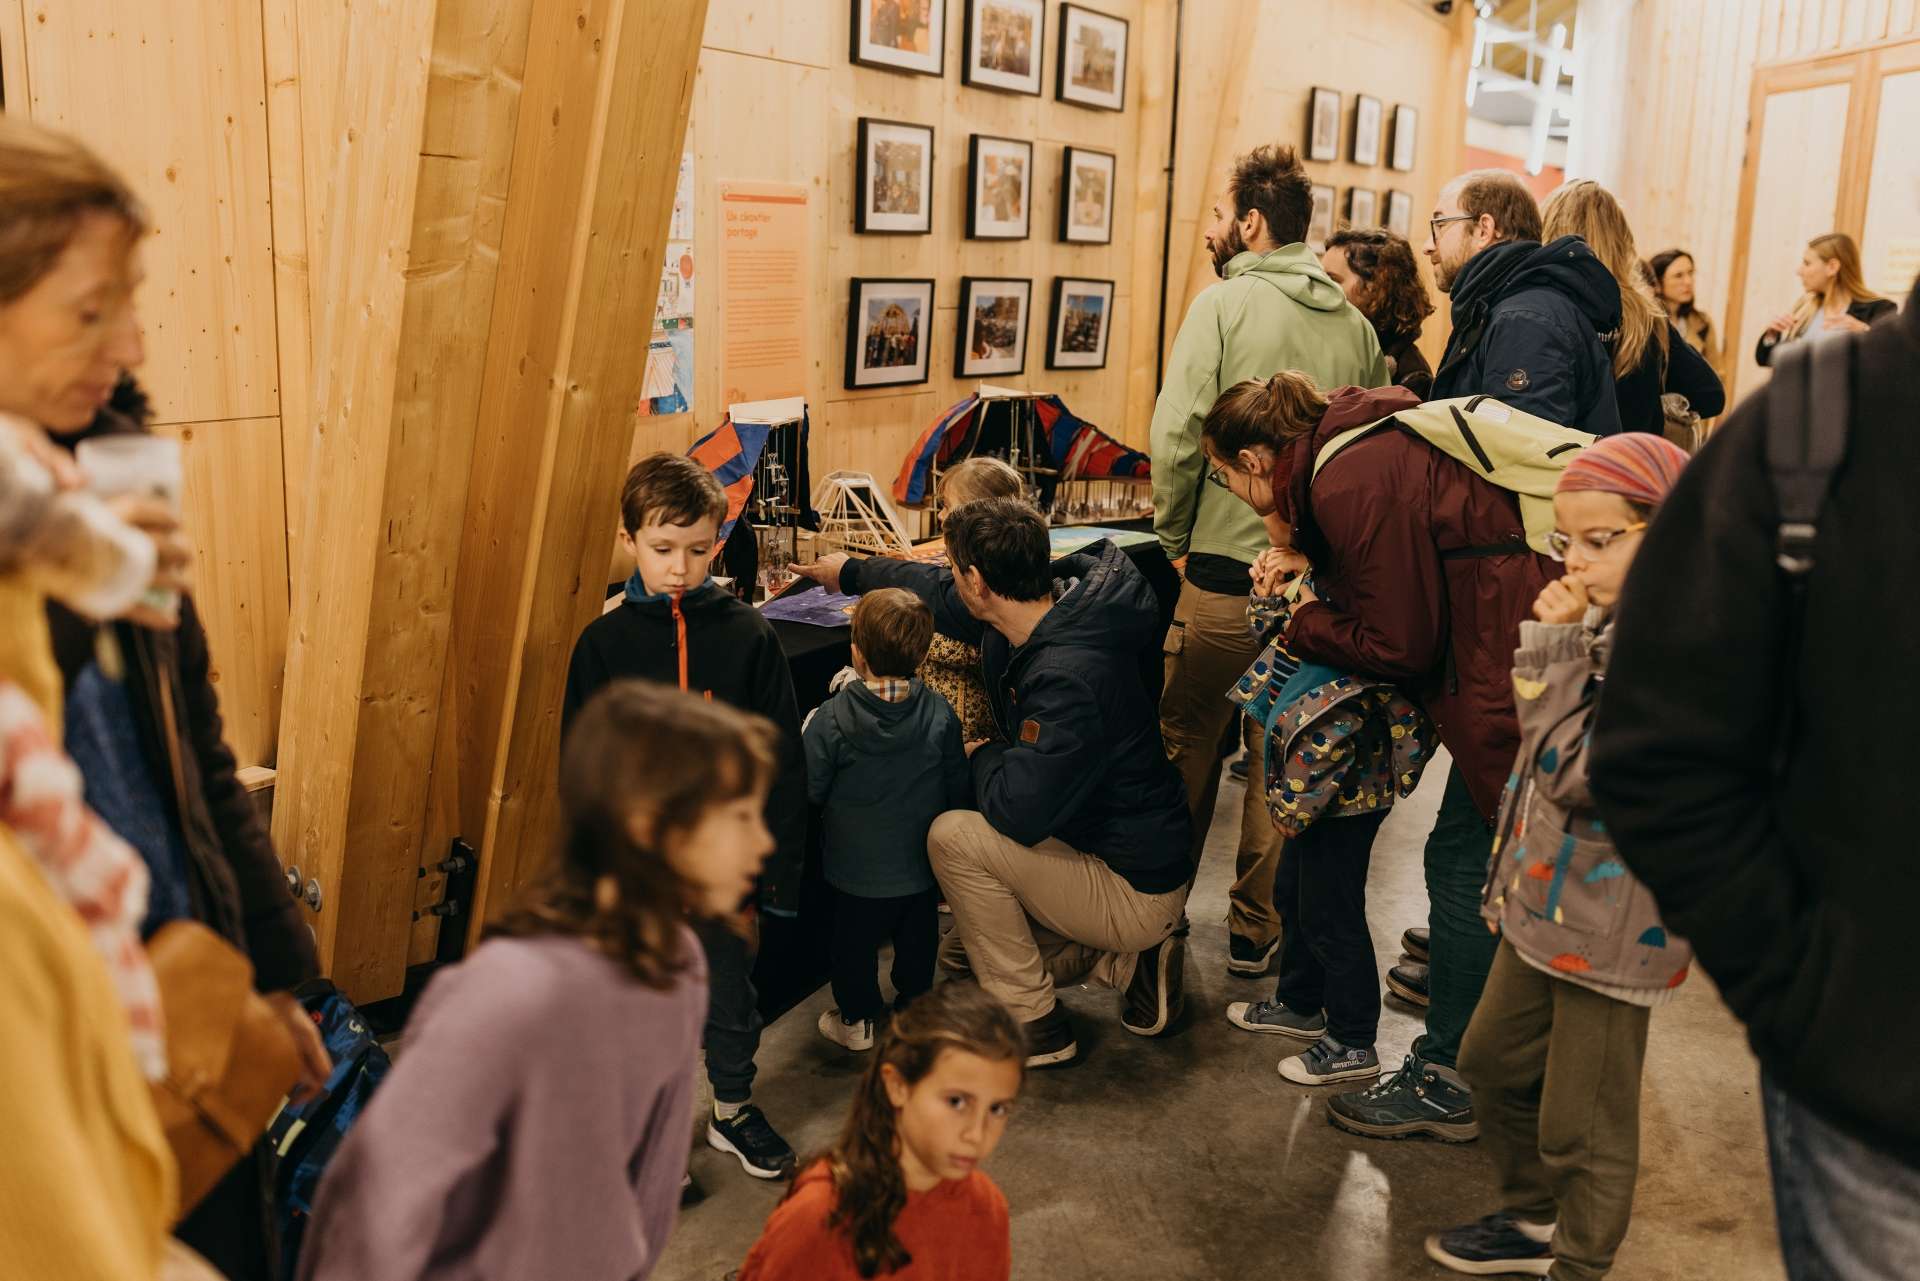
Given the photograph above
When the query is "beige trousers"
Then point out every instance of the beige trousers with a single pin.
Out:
(1208, 648)
(1031, 917)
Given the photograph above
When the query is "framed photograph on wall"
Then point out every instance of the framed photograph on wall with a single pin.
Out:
(1363, 207)
(1093, 59)
(1320, 225)
(1400, 214)
(1406, 131)
(901, 35)
(1080, 323)
(888, 328)
(1323, 125)
(893, 191)
(1000, 176)
(1368, 116)
(992, 338)
(1003, 39)
(1086, 196)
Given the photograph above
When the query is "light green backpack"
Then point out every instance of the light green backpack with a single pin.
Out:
(1513, 450)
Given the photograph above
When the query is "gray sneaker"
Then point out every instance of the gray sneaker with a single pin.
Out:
(1276, 1017)
(1327, 1061)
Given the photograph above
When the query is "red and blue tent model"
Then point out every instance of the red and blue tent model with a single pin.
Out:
(1079, 450)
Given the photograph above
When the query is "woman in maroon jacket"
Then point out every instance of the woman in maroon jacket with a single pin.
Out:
(1420, 575)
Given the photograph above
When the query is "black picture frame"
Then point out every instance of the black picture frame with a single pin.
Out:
(965, 364)
(1320, 224)
(1070, 231)
(1406, 138)
(1058, 356)
(1357, 216)
(866, 219)
(978, 77)
(921, 367)
(1398, 210)
(1361, 152)
(1066, 91)
(979, 228)
(870, 53)
(1323, 125)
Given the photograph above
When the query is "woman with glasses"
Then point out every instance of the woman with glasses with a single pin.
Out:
(1556, 1046)
(1421, 576)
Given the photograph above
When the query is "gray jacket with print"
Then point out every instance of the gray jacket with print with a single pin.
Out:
(1555, 886)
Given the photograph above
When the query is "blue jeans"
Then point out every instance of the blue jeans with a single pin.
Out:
(1847, 1211)
(1462, 947)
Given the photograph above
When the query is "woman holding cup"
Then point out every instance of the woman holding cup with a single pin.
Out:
(142, 719)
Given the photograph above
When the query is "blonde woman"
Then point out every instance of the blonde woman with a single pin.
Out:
(1836, 301)
(1649, 357)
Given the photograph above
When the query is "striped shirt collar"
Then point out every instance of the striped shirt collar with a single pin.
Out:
(890, 690)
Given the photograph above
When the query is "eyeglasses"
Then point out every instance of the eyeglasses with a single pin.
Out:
(1559, 542)
(1218, 476)
(1434, 224)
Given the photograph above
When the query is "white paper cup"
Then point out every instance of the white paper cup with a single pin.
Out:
(148, 466)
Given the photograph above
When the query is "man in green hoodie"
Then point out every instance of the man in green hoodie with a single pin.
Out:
(1274, 309)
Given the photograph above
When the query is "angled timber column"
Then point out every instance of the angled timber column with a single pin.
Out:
(604, 111)
(407, 119)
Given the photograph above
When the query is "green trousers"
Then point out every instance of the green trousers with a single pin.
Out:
(1555, 1070)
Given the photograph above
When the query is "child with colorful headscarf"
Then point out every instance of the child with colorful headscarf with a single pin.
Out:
(1557, 1043)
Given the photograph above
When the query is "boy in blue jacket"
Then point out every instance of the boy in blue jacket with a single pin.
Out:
(884, 758)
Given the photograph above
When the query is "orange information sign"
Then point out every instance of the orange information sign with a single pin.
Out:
(763, 291)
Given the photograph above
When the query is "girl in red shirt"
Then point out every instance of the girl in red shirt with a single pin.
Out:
(901, 1195)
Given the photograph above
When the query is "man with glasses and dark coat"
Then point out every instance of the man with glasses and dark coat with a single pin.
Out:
(1530, 328)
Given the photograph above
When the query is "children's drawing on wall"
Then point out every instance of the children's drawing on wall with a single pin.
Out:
(669, 381)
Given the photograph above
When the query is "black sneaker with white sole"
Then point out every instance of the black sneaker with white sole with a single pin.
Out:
(1492, 1247)
(1409, 983)
(1277, 1017)
(1248, 958)
(1157, 993)
(1417, 942)
(749, 1136)
(1050, 1040)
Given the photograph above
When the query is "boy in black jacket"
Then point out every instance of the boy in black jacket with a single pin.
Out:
(678, 627)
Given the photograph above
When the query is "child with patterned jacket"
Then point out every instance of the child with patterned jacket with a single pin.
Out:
(1556, 1046)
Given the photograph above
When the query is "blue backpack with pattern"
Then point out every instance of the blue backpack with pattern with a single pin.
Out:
(304, 1138)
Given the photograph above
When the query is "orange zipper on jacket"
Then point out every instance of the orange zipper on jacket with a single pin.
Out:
(680, 643)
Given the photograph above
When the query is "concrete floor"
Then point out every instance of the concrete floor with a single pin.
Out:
(1190, 1157)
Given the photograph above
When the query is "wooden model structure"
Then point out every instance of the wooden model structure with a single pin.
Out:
(857, 516)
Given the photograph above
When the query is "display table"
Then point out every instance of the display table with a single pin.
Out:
(793, 959)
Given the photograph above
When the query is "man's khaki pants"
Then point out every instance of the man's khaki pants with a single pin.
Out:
(1208, 649)
(1034, 916)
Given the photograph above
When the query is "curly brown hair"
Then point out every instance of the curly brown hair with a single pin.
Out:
(865, 1163)
(1393, 296)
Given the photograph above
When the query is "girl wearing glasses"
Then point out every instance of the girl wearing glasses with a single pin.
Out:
(1556, 1046)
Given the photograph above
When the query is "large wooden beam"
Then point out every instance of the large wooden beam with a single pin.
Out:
(607, 89)
(408, 138)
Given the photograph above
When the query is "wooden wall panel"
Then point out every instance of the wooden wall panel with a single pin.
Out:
(175, 97)
(1378, 48)
(601, 131)
(1698, 66)
(13, 55)
(288, 187)
(803, 65)
(235, 520)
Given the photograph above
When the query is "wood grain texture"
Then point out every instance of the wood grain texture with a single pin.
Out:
(232, 510)
(13, 55)
(174, 96)
(603, 120)
(287, 180)
(360, 222)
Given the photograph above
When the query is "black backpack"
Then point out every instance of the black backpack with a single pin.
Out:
(1809, 403)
